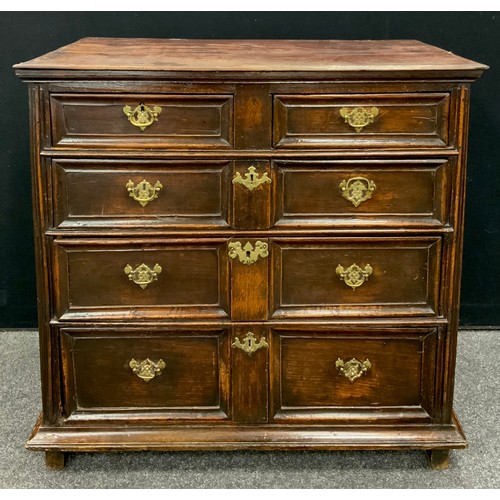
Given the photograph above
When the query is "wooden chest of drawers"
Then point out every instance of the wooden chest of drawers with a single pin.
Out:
(248, 244)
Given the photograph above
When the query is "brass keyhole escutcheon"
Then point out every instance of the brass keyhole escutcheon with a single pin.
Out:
(248, 254)
(251, 180)
(142, 116)
(249, 344)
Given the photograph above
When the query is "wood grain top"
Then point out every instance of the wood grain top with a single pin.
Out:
(233, 56)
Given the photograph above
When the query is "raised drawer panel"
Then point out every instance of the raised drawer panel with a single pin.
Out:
(383, 121)
(107, 279)
(354, 277)
(334, 375)
(179, 374)
(178, 194)
(362, 193)
(99, 121)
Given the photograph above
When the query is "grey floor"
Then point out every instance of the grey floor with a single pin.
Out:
(477, 402)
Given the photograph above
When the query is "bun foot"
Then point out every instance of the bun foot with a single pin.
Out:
(439, 459)
(54, 460)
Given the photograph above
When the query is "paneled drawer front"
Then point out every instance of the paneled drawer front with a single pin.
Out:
(141, 194)
(361, 120)
(354, 277)
(174, 374)
(177, 121)
(362, 193)
(125, 279)
(351, 375)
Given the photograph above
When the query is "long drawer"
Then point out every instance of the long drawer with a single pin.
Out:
(169, 373)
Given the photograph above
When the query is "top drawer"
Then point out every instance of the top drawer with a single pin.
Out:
(361, 121)
(142, 121)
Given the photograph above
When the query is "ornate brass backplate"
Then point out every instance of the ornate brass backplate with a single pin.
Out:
(142, 275)
(354, 275)
(143, 192)
(251, 179)
(249, 344)
(248, 254)
(357, 189)
(142, 116)
(359, 117)
(353, 369)
(147, 369)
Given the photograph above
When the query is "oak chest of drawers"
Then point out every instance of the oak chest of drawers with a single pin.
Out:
(248, 244)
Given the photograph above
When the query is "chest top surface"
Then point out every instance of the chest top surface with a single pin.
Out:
(370, 57)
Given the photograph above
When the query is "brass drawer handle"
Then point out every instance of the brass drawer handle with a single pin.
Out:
(248, 254)
(251, 179)
(249, 344)
(142, 116)
(357, 189)
(142, 275)
(352, 369)
(359, 117)
(147, 369)
(354, 276)
(143, 192)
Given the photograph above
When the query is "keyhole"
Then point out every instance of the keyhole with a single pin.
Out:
(251, 177)
(142, 107)
(248, 254)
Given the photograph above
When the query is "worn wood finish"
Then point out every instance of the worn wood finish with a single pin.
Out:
(270, 108)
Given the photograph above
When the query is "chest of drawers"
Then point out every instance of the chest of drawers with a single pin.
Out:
(248, 244)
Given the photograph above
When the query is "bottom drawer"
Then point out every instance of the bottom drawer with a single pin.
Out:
(111, 374)
(334, 375)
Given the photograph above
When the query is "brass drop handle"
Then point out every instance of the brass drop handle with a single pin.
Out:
(248, 254)
(143, 192)
(353, 369)
(354, 276)
(142, 116)
(147, 369)
(358, 118)
(249, 344)
(357, 189)
(143, 275)
(251, 180)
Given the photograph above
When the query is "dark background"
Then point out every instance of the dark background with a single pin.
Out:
(474, 35)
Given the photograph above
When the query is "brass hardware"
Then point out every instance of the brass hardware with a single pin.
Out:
(249, 344)
(142, 275)
(354, 276)
(143, 192)
(359, 117)
(142, 116)
(357, 189)
(147, 369)
(353, 369)
(248, 254)
(251, 179)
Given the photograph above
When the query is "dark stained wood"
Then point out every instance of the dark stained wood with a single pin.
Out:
(193, 194)
(186, 121)
(404, 278)
(307, 386)
(407, 193)
(439, 459)
(416, 120)
(250, 378)
(226, 106)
